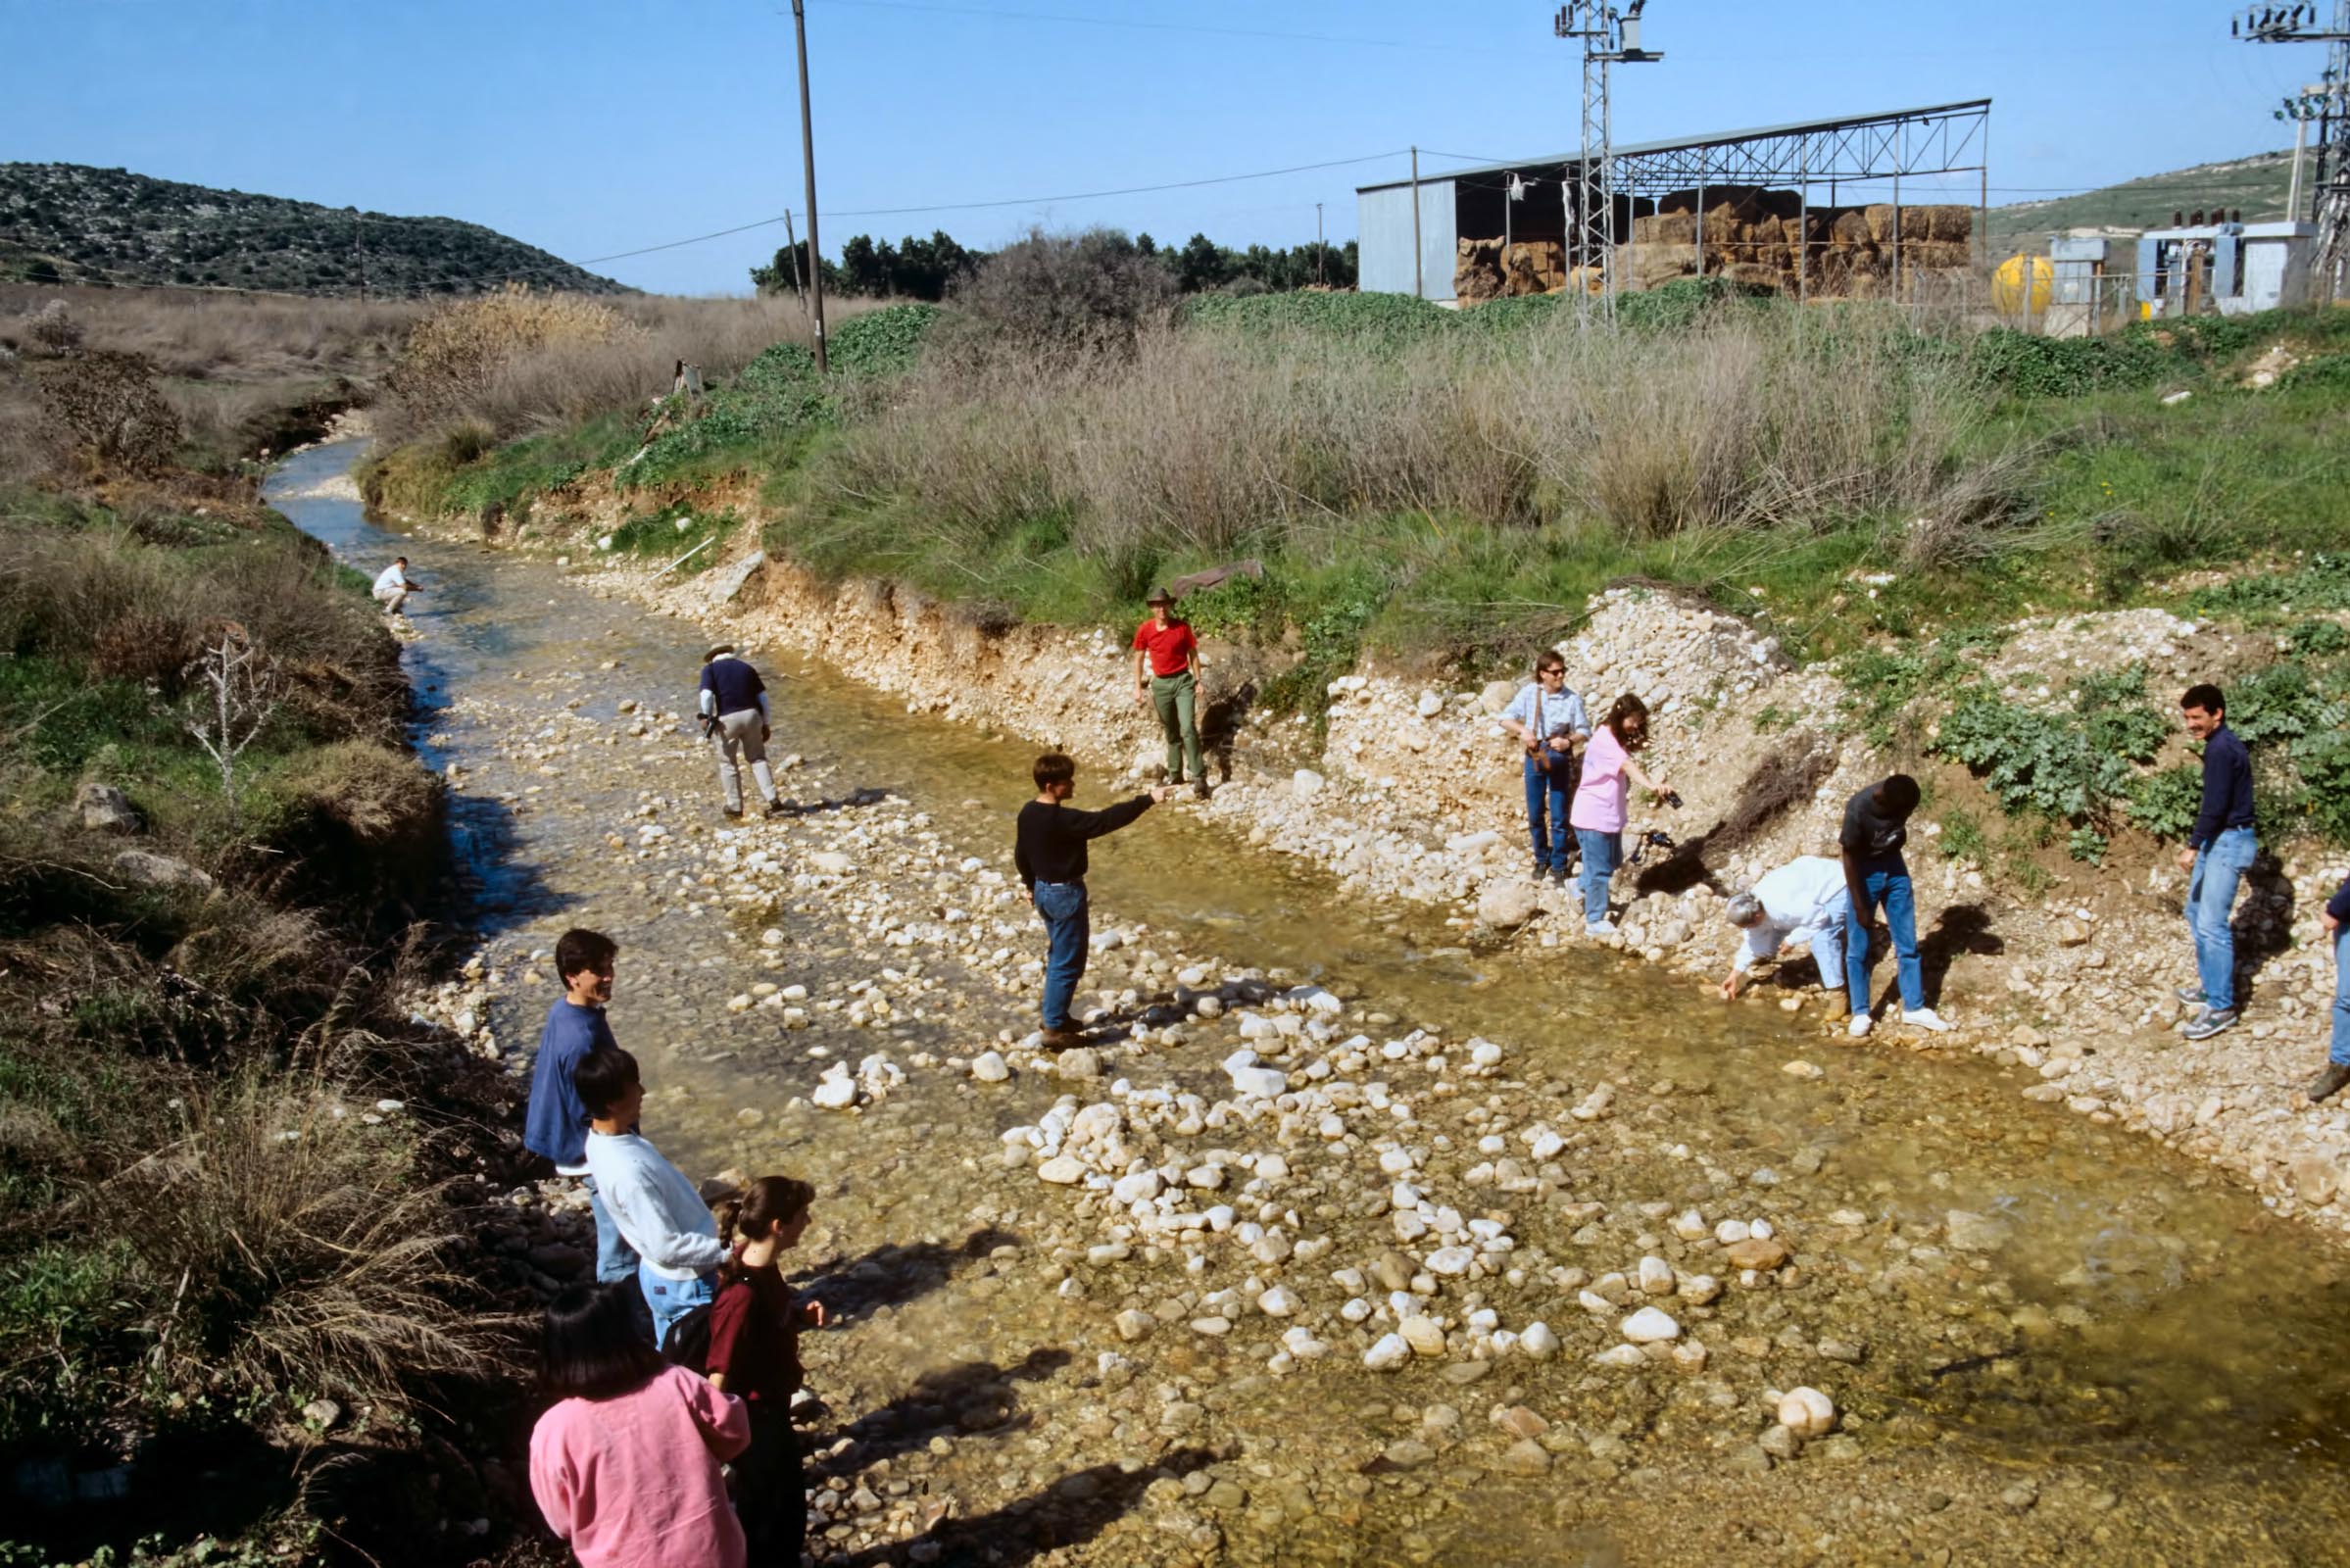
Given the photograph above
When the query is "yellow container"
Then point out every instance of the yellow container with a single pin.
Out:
(2022, 285)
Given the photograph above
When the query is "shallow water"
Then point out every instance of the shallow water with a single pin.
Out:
(2139, 1309)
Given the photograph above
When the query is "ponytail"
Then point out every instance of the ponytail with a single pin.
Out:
(748, 1215)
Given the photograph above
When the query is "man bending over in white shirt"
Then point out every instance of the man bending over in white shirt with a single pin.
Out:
(1801, 904)
(392, 586)
(657, 1209)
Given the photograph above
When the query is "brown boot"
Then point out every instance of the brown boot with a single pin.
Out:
(1839, 1005)
(2328, 1084)
(1057, 1039)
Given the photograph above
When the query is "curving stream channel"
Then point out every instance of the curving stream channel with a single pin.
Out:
(2108, 1355)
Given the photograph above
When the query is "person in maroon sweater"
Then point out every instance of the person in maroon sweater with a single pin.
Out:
(755, 1355)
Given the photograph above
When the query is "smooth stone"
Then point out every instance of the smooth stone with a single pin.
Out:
(1062, 1170)
(1649, 1326)
(1806, 1412)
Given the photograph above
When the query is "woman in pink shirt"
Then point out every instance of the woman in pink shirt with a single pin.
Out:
(1599, 809)
(625, 1466)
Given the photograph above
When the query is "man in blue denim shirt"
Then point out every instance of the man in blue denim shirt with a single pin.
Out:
(2217, 854)
(555, 1126)
(1048, 848)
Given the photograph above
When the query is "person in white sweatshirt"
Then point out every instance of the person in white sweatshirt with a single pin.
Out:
(657, 1209)
(1802, 904)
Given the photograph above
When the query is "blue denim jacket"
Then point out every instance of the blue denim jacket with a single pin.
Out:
(557, 1124)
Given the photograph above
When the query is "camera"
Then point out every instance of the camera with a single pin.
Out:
(1671, 798)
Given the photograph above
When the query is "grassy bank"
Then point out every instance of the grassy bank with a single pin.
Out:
(229, 1275)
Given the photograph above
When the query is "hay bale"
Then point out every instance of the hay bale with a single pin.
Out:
(1476, 275)
(1672, 228)
(1849, 226)
(1947, 224)
(1751, 274)
(1939, 255)
(1881, 219)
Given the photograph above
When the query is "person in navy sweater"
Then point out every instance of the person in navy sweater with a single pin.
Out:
(2219, 853)
(2325, 1085)
(738, 722)
(556, 1127)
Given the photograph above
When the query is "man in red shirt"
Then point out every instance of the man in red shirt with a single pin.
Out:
(1167, 669)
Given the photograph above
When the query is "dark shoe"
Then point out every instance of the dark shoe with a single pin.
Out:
(730, 811)
(2208, 1023)
(775, 808)
(1202, 788)
(2328, 1084)
(1558, 874)
(1057, 1039)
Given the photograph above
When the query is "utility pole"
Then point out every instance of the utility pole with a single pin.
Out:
(807, 157)
(1321, 251)
(1418, 288)
(2328, 105)
(359, 250)
(792, 248)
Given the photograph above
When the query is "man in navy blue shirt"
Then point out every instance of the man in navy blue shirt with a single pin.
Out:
(736, 718)
(556, 1127)
(2219, 853)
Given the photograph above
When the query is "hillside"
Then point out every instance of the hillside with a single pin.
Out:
(2256, 185)
(67, 222)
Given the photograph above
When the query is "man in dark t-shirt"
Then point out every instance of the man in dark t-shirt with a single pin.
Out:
(1049, 850)
(1876, 826)
(2218, 853)
(735, 716)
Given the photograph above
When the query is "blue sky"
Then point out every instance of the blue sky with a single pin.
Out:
(594, 127)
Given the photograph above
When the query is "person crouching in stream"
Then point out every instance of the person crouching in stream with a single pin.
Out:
(755, 1355)
(1050, 849)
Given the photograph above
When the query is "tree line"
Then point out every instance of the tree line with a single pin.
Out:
(915, 269)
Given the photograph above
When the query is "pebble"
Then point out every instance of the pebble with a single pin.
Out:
(1649, 1326)
(1806, 1412)
(989, 1067)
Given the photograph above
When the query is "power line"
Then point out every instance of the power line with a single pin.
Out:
(1009, 201)
(1167, 26)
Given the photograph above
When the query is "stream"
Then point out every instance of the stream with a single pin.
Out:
(2107, 1351)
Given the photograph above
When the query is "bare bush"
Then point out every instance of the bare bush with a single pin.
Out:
(51, 330)
(452, 352)
(1064, 296)
(292, 1247)
(106, 406)
(236, 694)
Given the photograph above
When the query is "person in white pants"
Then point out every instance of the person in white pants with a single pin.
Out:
(1802, 904)
(392, 586)
(736, 717)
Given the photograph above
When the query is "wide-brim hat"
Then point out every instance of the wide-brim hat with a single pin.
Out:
(1159, 595)
(715, 649)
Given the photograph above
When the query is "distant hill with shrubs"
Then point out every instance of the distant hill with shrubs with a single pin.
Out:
(68, 223)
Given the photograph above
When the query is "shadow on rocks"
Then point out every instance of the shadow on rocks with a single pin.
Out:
(973, 1396)
(848, 802)
(1961, 928)
(894, 1275)
(1071, 1512)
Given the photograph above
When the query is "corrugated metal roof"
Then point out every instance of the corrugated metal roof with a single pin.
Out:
(1691, 143)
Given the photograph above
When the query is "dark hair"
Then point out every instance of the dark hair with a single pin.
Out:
(580, 949)
(1053, 768)
(399, 561)
(1899, 795)
(1549, 659)
(2206, 697)
(602, 1077)
(1629, 709)
(593, 1345)
(746, 1217)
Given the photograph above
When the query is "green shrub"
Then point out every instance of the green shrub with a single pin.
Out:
(2119, 717)
(2327, 373)
(1963, 838)
(2281, 704)
(883, 342)
(2323, 761)
(2164, 803)
(2030, 761)
(2088, 844)
(2318, 639)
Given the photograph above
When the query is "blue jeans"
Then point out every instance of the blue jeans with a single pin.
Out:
(671, 1299)
(1884, 881)
(1547, 789)
(2210, 900)
(2340, 1054)
(1603, 853)
(1069, 927)
(615, 1260)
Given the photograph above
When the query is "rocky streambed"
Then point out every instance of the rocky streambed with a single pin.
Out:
(1339, 1241)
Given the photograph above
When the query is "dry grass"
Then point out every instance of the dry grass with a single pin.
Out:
(296, 1250)
(537, 363)
(1204, 443)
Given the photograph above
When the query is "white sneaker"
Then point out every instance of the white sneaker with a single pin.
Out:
(1599, 928)
(1925, 1018)
(1858, 1026)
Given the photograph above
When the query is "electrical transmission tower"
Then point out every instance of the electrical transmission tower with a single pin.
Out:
(1608, 38)
(2328, 107)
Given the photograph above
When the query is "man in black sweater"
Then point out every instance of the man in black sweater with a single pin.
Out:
(2217, 854)
(1049, 850)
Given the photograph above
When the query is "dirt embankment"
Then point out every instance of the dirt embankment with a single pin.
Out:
(1416, 796)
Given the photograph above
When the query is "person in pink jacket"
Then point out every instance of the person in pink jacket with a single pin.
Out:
(626, 1464)
(1602, 802)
